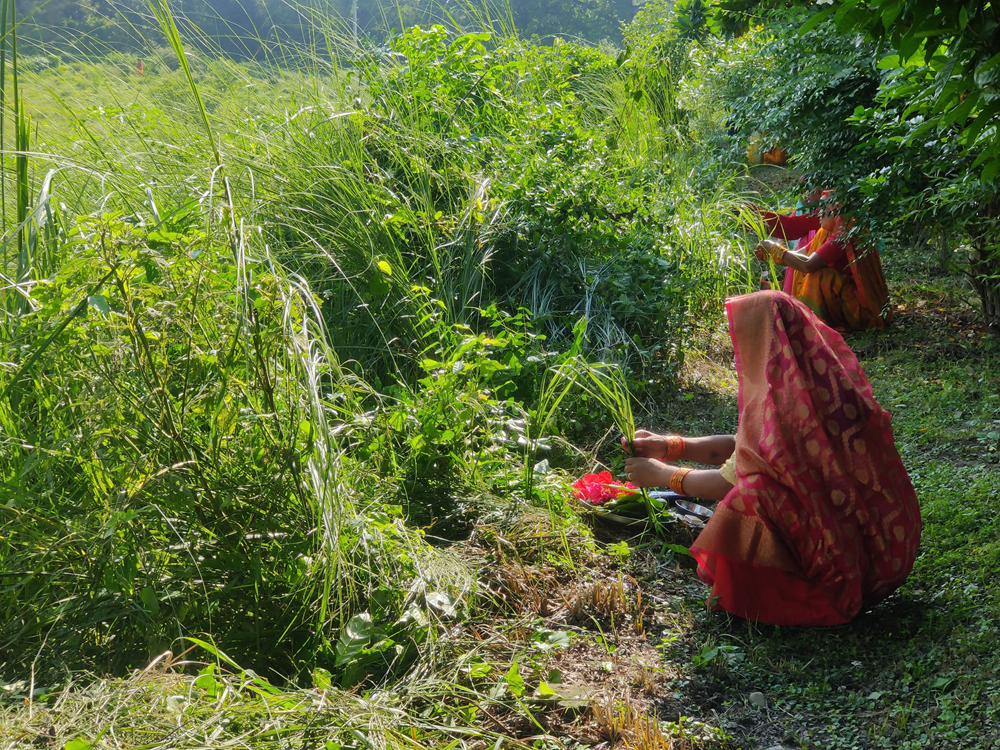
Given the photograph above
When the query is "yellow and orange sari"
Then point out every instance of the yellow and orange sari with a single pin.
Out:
(855, 298)
(856, 302)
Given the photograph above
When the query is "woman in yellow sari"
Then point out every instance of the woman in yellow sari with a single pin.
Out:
(841, 285)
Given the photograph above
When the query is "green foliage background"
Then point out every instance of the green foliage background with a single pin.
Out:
(266, 320)
(283, 310)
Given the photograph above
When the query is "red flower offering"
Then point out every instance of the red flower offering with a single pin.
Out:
(598, 489)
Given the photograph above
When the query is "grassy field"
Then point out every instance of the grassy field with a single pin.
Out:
(586, 637)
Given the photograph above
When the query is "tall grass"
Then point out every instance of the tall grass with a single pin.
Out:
(281, 300)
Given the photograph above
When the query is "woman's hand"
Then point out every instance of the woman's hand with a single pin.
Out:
(769, 248)
(647, 444)
(648, 472)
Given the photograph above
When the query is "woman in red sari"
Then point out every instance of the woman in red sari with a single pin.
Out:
(817, 518)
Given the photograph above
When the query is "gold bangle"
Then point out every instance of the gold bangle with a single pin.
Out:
(675, 447)
(777, 253)
(677, 480)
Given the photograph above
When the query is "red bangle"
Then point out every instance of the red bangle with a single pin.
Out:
(675, 447)
(677, 480)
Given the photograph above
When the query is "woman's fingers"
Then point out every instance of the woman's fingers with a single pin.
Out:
(647, 472)
(627, 447)
(651, 445)
(643, 443)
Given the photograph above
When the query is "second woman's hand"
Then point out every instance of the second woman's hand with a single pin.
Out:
(648, 472)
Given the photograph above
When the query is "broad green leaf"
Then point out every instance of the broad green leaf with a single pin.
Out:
(560, 638)
(679, 549)
(986, 72)
(514, 680)
(989, 64)
(815, 21)
(984, 118)
(890, 11)
(990, 170)
(355, 636)
(208, 682)
(322, 679)
(889, 62)
(942, 683)
(78, 744)
(99, 303)
(438, 600)
(149, 600)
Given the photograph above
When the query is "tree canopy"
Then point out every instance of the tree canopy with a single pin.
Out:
(946, 62)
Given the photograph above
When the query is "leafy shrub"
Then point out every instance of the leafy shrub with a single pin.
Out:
(170, 464)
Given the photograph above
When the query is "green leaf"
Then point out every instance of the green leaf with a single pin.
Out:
(890, 11)
(479, 669)
(439, 601)
(544, 691)
(989, 64)
(983, 119)
(921, 129)
(986, 72)
(815, 21)
(941, 683)
(99, 303)
(150, 603)
(385, 268)
(679, 549)
(305, 430)
(889, 62)
(959, 114)
(560, 638)
(355, 636)
(207, 681)
(322, 679)
(78, 744)
(945, 75)
(514, 680)
(990, 170)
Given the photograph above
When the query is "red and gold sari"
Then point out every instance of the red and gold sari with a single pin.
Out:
(823, 520)
(850, 293)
